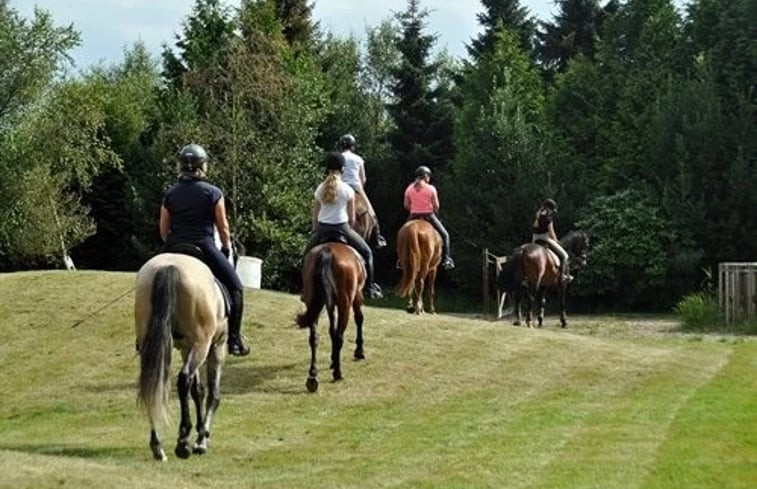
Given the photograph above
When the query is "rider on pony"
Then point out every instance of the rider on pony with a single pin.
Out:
(333, 214)
(354, 176)
(544, 231)
(422, 201)
(189, 211)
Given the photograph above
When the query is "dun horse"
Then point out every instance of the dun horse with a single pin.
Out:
(179, 304)
(333, 276)
(532, 270)
(419, 248)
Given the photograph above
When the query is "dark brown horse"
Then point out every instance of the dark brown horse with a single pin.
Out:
(419, 249)
(333, 276)
(533, 270)
(179, 304)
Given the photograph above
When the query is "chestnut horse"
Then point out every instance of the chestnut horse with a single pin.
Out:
(419, 249)
(364, 221)
(534, 269)
(178, 303)
(333, 276)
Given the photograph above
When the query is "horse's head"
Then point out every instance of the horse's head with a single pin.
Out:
(576, 243)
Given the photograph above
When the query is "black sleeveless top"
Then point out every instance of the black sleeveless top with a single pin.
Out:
(543, 220)
(191, 204)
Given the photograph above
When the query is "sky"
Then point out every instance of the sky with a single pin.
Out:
(108, 27)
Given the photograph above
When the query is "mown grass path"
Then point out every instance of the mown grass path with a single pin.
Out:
(440, 402)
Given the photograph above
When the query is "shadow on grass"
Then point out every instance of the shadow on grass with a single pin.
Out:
(242, 378)
(74, 451)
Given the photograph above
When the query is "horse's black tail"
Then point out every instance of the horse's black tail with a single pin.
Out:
(155, 350)
(324, 289)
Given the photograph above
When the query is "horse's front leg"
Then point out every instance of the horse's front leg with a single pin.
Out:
(358, 310)
(563, 293)
(215, 366)
(312, 382)
(517, 307)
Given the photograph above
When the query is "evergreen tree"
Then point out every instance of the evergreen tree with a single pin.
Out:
(296, 18)
(573, 31)
(511, 15)
(498, 175)
(421, 132)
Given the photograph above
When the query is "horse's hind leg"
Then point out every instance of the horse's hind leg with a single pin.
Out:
(156, 446)
(541, 297)
(431, 280)
(358, 310)
(184, 384)
(312, 382)
(197, 391)
(215, 367)
(337, 336)
(563, 318)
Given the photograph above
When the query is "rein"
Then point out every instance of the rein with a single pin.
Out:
(92, 314)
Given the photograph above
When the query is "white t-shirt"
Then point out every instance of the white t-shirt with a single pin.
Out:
(335, 212)
(352, 165)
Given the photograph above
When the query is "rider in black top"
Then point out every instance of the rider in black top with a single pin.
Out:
(190, 210)
(543, 230)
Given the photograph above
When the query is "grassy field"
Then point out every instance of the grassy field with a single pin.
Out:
(441, 401)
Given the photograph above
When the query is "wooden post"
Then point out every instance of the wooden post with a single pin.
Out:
(737, 291)
(485, 280)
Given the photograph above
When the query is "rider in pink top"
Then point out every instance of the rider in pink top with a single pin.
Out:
(422, 201)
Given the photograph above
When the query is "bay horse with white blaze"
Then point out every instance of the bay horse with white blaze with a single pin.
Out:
(333, 276)
(178, 303)
(419, 249)
(532, 270)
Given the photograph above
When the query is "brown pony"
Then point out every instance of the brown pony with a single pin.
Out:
(179, 304)
(419, 248)
(333, 275)
(536, 269)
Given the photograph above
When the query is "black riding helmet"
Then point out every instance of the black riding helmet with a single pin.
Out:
(550, 204)
(347, 141)
(192, 157)
(334, 161)
(422, 171)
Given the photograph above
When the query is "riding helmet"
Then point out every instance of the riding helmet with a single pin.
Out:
(334, 161)
(422, 171)
(347, 141)
(550, 204)
(192, 157)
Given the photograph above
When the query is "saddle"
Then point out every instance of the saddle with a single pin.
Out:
(196, 252)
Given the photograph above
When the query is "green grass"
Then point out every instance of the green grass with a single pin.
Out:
(441, 401)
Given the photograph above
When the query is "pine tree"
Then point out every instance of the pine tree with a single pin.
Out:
(573, 31)
(511, 15)
(296, 18)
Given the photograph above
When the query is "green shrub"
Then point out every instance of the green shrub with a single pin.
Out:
(699, 311)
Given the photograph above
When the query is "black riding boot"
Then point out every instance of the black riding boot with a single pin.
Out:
(376, 238)
(565, 277)
(372, 288)
(235, 344)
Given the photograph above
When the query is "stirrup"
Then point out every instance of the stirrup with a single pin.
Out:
(380, 242)
(448, 263)
(374, 291)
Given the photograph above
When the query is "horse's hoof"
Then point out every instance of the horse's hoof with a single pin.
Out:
(312, 384)
(200, 449)
(337, 376)
(359, 355)
(159, 455)
(516, 323)
(183, 450)
(410, 310)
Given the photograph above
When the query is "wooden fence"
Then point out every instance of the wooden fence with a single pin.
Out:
(737, 291)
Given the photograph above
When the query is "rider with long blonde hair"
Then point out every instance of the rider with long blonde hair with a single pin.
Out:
(334, 214)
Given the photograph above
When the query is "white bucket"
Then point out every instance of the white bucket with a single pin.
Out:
(249, 271)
